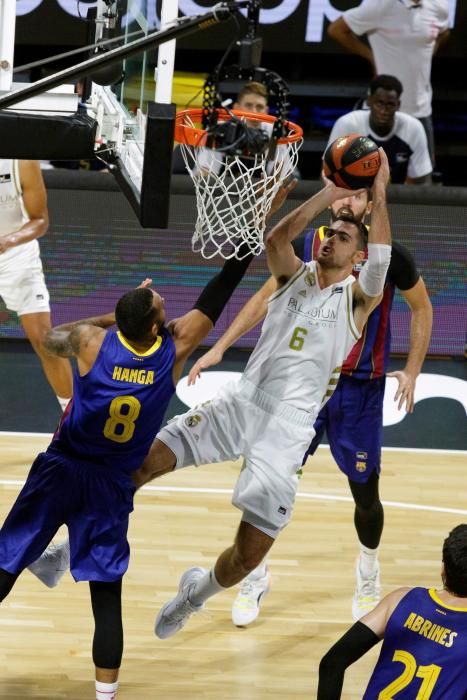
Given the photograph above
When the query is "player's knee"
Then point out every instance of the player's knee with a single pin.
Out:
(371, 509)
(37, 339)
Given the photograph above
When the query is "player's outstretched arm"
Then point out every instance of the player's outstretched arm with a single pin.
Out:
(247, 318)
(81, 339)
(190, 330)
(420, 333)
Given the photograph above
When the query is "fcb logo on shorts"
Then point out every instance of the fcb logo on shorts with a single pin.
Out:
(193, 421)
(360, 464)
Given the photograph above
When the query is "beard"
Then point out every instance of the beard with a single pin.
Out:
(346, 214)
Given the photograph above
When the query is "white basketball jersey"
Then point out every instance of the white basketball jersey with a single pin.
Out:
(13, 214)
(306, 336)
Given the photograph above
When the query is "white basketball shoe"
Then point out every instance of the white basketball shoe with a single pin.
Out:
(52, 564)
(245, 608)
(367, 593)
(176, 613)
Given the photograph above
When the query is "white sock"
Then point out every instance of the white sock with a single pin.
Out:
(368, 561)
(204, 588)
(260, 571)
(63, 402)
(106, 691)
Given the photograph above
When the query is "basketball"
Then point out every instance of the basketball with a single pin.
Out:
(352, 161)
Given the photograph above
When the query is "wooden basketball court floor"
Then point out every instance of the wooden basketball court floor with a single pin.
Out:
(186, 519)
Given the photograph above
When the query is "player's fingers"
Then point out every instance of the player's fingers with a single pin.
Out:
(146, 282)
(193, 374)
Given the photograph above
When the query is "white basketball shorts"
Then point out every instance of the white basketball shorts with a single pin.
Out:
(22, 286)
(271, 436)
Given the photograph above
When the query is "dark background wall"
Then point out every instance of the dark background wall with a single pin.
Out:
(96, 250)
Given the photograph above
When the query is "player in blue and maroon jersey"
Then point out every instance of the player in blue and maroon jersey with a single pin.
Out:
(353, 416)
(424, 632)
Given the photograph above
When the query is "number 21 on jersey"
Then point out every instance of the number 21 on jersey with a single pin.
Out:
(429, 674)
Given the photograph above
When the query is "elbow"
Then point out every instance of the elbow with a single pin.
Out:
(42, 223)
(271, 241)
(276, 239)
(48, 343)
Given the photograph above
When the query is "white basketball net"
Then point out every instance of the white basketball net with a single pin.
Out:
(234, 196)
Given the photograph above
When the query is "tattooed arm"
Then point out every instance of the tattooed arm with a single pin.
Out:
(80, 339)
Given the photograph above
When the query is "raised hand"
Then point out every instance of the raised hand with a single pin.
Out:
(338, 192)
(383, 175)
(146, 283)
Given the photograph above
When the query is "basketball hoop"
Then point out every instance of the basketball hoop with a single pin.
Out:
(235, 182)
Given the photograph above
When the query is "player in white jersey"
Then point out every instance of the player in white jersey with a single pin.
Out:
(314, 318)
(24, 219)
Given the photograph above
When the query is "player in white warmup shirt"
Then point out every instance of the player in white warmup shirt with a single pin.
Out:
(23, 219)
(314, 318)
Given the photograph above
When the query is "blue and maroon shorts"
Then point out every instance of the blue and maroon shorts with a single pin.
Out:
(353, 421)
(94, 505)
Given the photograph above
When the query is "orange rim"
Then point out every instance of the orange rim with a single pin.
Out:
(195, 136)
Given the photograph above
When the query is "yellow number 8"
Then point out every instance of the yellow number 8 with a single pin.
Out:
(126, 420)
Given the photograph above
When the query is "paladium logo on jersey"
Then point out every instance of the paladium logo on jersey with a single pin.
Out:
(316, 313)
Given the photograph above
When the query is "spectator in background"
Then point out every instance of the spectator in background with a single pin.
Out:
(403, 36)
(401, 135)
(253, 97)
